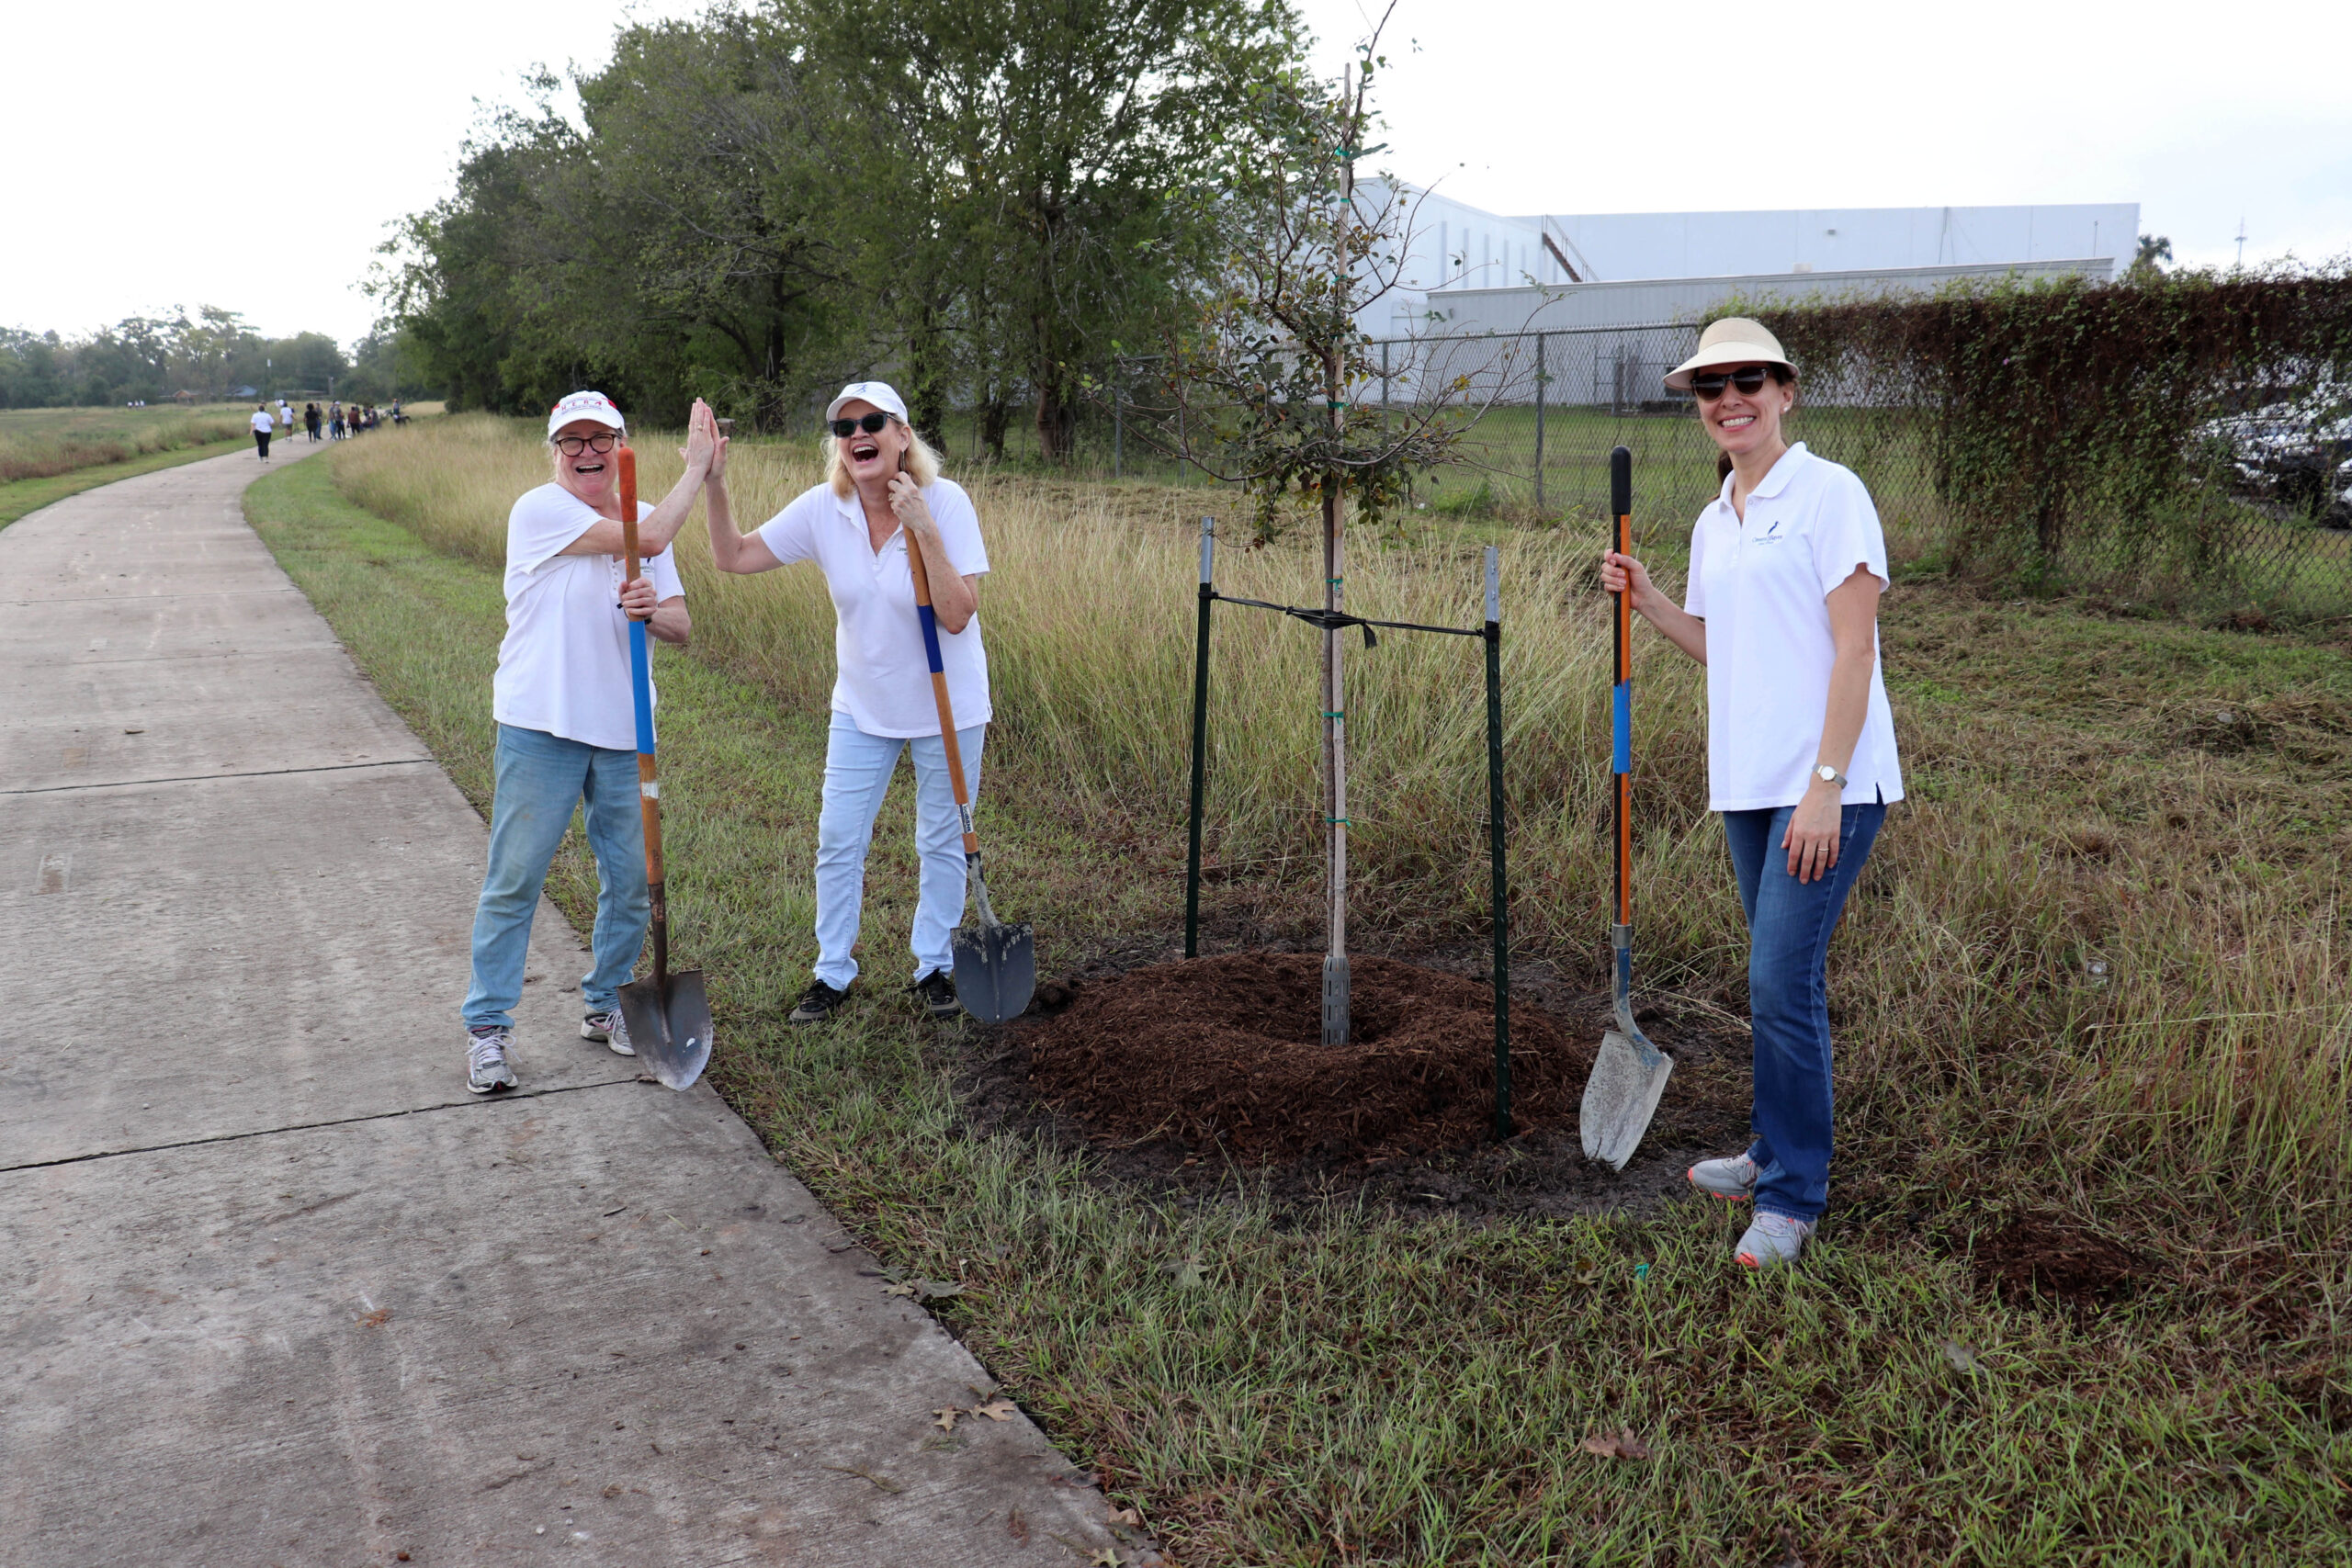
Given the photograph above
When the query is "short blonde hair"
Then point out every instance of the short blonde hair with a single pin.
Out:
(922, 461)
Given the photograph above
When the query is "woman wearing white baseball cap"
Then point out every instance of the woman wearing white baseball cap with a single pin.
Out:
(566, 727)
(1787, 565)
(882, 496)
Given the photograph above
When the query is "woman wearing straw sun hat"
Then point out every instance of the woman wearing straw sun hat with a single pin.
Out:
(1787, 565)
(882, 496)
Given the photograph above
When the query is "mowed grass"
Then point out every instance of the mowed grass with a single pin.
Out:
(47, 454)
(2091, 998)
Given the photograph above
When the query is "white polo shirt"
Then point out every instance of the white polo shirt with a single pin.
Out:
(563, 668)
(882, 677)
(1762, 587)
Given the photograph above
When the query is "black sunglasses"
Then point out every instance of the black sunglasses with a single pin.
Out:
(572, 446)
(1749, 379)
(871, 424)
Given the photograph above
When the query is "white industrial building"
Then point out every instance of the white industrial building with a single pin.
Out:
(1469, 270)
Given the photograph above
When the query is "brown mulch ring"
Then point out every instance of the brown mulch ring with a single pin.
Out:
(1183, 1071)
(2032, 1257)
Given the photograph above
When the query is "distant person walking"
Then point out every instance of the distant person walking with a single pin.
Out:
(285, 421)
(1787, 564)
(334, 422)
(310, 420)
(263, 425)
(566, 734)
(882, 498)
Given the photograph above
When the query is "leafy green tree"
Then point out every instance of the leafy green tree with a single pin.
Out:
(677, 240)
(1038, 179)
(2152, 252)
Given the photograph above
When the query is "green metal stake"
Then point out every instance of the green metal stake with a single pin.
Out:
(1199, 741)
(1494, 636)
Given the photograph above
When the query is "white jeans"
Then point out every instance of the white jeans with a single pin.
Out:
(857, 773)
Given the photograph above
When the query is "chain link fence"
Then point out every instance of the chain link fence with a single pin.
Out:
(1542, 409)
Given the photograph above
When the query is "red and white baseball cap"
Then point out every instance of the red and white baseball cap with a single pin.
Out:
(586, 405)
(881, 394)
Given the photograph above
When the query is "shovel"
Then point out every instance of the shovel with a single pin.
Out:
(995, 966)
(668, 1016)
(1630, 1073)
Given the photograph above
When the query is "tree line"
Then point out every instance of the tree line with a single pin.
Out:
(985, 200)
(210, 354)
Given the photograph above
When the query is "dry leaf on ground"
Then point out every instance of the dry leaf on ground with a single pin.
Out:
(1621, 1445)
(997, 1410)
(946, 1419)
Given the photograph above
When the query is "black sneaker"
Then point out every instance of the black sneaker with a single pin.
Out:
(937, 990)
(817, 1003)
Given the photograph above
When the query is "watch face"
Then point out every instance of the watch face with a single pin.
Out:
(1826, 774)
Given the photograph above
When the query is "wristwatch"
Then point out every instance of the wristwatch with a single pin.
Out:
(1828, 774)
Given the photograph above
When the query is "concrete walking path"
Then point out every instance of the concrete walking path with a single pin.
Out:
(274, 1287)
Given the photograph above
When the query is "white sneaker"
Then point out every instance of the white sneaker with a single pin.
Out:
(486, 1065)
(1772, 1240)
(608, 1029)
(1732, 1179)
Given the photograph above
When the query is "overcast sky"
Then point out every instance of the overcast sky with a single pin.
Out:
(158, 154)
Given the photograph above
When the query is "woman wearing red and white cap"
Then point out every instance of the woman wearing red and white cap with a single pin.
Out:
(1787, 564)
(566, 727)
(882, 497)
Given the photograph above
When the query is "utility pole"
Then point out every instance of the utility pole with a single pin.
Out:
(2241, 243)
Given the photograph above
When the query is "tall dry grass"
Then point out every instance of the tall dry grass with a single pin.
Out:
(2097, 966)
(42, 442)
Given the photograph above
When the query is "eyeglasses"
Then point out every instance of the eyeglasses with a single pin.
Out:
(1749, 379)
(871, 424)
(572, 446)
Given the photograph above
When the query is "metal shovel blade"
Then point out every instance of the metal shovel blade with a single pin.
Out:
(996, 971)
(672, 1033)
(1622, 1096)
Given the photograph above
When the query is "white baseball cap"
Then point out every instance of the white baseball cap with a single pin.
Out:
(881, 394)
(1735, 339)
(586, 405)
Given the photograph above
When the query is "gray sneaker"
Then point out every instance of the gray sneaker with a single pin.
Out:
(1772, 1240)
(1732, 1179)
(486, 1065)
(608, 1029)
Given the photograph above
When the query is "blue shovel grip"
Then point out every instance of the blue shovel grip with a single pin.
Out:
(930, 637)
(640, 673)
(1621, 725)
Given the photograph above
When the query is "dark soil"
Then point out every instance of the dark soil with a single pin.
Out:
(1180, 1073)
(2030, 1257)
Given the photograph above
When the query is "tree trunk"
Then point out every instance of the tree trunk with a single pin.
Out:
(1057, 419)
(1335, 773)
(995, 415)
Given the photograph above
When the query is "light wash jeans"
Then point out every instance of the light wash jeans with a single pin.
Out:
(541, 778)
(1789, 924)
(857, 773)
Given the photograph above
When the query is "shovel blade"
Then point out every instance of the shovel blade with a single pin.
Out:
(1621, 1097)
(672, 1030)
(996, 971)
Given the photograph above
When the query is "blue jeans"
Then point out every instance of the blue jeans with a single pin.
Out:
(541, 778)
(1789, 924)
(857, 773)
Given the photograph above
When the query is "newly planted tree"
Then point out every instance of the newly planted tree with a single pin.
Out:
(1261, 387)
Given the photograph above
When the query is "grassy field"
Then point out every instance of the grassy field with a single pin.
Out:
(47, 454)
(2079, 1298)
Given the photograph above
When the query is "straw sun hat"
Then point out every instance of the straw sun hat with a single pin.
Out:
(1735, 339)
